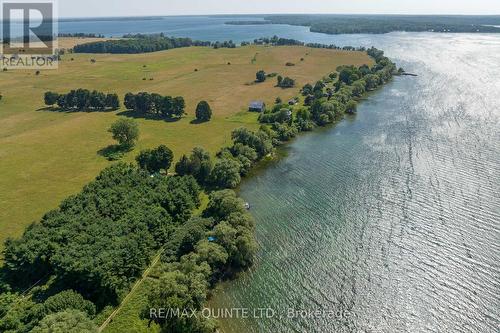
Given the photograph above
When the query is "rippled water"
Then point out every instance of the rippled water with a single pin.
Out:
(391, 220)
(388, 222)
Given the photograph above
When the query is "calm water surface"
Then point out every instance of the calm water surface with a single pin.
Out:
(388, 222)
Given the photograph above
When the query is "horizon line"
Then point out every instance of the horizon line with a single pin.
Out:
(268, 14)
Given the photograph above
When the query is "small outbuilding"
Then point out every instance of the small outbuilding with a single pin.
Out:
(257, 106)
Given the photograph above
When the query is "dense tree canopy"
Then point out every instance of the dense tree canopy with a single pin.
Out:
(69, 321)
(226, 174)
(137, 44)
(100, 240)
(154, 160)
(68, 299)
(199, 165)
(82, 99)
(154, 104)
(202, 252)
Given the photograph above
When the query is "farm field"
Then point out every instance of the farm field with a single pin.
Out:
(47, 155)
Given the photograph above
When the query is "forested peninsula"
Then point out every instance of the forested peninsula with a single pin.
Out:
(381, 24)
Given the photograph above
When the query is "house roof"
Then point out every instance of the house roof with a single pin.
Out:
(257, 104)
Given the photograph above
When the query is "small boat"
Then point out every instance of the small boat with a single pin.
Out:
(247, 206)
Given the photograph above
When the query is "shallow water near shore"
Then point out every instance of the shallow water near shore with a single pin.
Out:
(389, 221)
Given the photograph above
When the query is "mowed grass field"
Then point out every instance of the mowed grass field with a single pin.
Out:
(47, 155)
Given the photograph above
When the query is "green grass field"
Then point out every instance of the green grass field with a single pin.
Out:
(46, 155)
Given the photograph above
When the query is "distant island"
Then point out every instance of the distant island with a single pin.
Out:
(381, 24)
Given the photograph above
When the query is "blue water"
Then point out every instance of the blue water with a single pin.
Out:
(210, 28)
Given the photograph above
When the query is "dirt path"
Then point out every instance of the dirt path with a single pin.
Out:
(131, 292)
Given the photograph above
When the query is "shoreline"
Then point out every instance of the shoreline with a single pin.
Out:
(281, 152)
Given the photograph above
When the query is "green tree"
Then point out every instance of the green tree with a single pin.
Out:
(155, 160)
(97, 100)
(319, 86)
(51, 98)
(66, 300)
(226, 174)
(178, 290)
(203, 111)
(167, 106)
(372, 81)
(351, 106)
(178, 106)
(222, 204)
(307, 89)
(199, 165)
(129, 101)
(125, 131)
(238, 242)
(82, 97)
(280, 80)
(212, 253)
(261, 76)
(112, 101)
(286, 82)
(358, 88)
(69, 321)
(143, 102)
(183, 166)
(185, 239)
(260, 140)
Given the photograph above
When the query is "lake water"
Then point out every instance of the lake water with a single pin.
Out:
(390, 221)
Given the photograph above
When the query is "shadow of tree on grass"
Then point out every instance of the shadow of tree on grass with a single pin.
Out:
(148, 116)
(114, 152)
(73, 110)
(197, 121)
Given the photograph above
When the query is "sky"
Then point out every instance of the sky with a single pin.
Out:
(95, 8)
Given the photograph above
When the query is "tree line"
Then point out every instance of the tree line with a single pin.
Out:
(379, 24)
(140, 43)
(82, 99)
(80, 35)
(144, 43)
(330, 98)
(155, 104)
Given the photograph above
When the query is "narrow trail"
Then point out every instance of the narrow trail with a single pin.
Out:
(131, 292)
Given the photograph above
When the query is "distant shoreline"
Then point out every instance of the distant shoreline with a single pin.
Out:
(382, 24)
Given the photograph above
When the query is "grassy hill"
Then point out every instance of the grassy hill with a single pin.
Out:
(47, 155)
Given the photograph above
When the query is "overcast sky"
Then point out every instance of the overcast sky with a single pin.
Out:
(91, 8)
